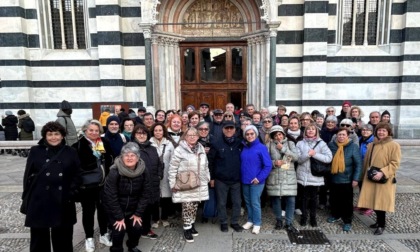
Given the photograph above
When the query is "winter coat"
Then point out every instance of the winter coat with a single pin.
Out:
(364, 145)
(216, 130)
(116, 141)
(352, 161)
(326, 134)
(323, 153)
(165, 190)
(150, 156)
(282, 182)
(124, 196)
(102, 118)
(51, 199)
(225, 160)
(10, 127)
(2, 137)
(89, 162)
(386, 156)
(66, 121)
(255, 162)
(23, 135)
(184, 159)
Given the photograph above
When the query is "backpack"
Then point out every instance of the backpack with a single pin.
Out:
(28, 125)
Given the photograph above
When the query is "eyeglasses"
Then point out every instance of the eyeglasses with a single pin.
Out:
(141, 133)
(366, 130)
(192, 136)
(345, 125)
(228, 116)
(250, 134)
(203, 129)
(267, 121)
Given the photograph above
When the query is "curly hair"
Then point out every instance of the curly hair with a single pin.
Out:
(53, 127)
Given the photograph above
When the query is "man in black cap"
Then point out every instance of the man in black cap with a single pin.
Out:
(225, 174)
(204, 109)
(64, 118)
(141, 111)
(216, 125)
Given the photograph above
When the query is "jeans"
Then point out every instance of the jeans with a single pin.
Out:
(252, 194)
(222, 190)
(290, 207)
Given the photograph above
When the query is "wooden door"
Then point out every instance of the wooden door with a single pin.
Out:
(214, 73)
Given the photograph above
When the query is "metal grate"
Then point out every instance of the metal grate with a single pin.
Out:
(308, 237)
(372, 21)
(360, 21)
(347, 21)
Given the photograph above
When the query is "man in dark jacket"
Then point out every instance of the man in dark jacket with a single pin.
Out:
(225, 172)
(10, 122)
(216, 125)
(345, 108)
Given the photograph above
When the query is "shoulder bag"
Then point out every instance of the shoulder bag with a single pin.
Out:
(95, 177)
(372, 171)
(319, 168)
(188, 180)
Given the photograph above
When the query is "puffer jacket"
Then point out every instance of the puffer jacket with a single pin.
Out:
(66, 121)
(352, 161)
(323, 153)
(150, 157)
(184, 159)
(10, 127)
(282, 182)
(364, 145)
(255, 162)
(23, 135)
(124, 196)
(165, 190)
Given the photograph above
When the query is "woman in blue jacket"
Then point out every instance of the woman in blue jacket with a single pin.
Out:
(346, 167)
(255, 168)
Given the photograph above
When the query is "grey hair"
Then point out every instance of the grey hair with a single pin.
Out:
(94, 122)
(330, 108)
(192, 129)
(131, 147)
(331, 118)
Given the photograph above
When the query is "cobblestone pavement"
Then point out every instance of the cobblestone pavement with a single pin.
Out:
(402, 232)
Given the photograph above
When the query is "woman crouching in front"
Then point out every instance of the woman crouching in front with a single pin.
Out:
(126, 192)
(189, 156)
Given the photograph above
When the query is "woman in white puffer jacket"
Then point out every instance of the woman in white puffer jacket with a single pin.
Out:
(308, 184)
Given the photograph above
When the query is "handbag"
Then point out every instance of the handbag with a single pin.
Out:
(94, 178)
(319, 168)
(188, 180)
(372, 171)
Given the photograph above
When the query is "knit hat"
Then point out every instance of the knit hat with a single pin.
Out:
(112, 118)
(191, 106)
(251, 127)
(8, 112)
(276, 128)
(65, 105)
(346, 121)
(346, 102)
(386, 112)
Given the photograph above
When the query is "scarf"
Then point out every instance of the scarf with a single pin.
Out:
(127, 172)
(127, 134)
(338, 165)
(294, 134)
(98, 148)
(229, 139)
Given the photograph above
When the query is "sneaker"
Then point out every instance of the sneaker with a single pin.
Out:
(150, 235)
(188, 236)
(247, 225)
(90, 245)
(105, 240)
(291, 228)
(256, 229)
(279, 225)
(332, 219)
(224, 228)
(165, 223)
(155, 225)
(236, 227)
(193, 231)
(347, 227)
(298, 212)
(368, 212)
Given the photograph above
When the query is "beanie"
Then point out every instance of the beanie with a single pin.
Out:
(65, 105)
(346, 102)
(112, 118)
(386, 112)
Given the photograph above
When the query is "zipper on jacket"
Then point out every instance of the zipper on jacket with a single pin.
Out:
(128, 198)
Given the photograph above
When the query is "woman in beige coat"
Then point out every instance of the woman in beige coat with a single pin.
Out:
(189, 156)
(385, 154)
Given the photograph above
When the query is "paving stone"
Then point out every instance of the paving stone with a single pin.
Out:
(414, 245)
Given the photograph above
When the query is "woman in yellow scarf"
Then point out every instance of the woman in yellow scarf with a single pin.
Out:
(346, 167)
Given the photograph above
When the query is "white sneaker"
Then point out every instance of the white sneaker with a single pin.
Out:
(90, 245)
(155, 225)
(242, 211)
(165, 223)
(247, 225)
(283, 213)
(105, 240)
(256, 229)
(298, 212)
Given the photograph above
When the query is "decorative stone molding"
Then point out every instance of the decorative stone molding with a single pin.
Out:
(166, 39)
(148, 11)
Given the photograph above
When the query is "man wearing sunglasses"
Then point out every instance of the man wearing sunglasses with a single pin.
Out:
(216, 125)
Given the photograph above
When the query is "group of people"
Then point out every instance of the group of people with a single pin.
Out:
(133, 173)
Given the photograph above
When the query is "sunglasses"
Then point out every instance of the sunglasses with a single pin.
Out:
(229, 127)
(267, 121)
(345, 125)
(203, 129)
(228, 116)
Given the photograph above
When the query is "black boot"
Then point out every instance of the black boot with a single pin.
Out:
(279, 225)
(188, 236)
(193, 231)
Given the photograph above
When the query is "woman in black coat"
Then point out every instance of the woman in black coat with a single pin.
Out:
(126, 193)
(93, 150)
(10, 122)
(154, 167)
(51, 179)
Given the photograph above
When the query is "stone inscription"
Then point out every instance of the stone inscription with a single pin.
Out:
(212, 18)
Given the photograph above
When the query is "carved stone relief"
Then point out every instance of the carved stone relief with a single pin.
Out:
(212, 18)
